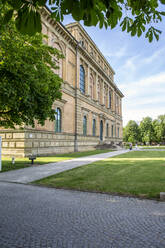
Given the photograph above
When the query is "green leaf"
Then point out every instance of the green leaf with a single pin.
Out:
(139, 33)
(124, 26)
(162, 13)
(156, 36)
(42, 2)
(150, 37)
(28, 21)
(8, 16)
(16, 4)
(143, 28)
(133, 32)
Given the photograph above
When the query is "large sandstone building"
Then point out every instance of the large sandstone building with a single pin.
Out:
(90, 112)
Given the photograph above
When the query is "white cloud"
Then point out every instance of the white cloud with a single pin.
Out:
(139, 114)
(145, 97)
(108, 51)
(154, 56)
(155, 83)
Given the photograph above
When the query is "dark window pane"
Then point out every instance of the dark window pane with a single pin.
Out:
(84, 126)
(112, 131)
(107, 130)
(94, 127)
(110, 99)
(58, 120)
(82, 79)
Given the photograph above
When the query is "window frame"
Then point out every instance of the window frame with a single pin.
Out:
(84, 125)
(58, 120)
(107, 130)
(82, 79)
(94, 127)
(110, 99)
(112, 131)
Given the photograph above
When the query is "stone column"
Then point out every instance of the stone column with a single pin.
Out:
(114, 101)
(101, 91)
(65, 68)
(96, 86)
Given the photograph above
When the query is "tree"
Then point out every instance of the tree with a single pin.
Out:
(134, 16)
(159, 128)
(28, 85)
(131, 132)
(147, 130)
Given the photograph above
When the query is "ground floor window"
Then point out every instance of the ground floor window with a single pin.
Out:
(118, 132)
(94, 128)
(112, 131)
(58, 120)
(101, 130)
(107, 130)
(84, 125)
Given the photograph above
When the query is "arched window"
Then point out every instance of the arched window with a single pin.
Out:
(94, 127)
(84, 125)
(58, 120)
(110, 99)
(107, 130)
(82, 79)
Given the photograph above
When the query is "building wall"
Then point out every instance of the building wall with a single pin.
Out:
(94, 103)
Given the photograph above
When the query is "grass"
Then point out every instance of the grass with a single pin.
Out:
(25, 162)
(138, 173)
(152, 147)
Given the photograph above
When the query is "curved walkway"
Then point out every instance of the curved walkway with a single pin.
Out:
(34, 173)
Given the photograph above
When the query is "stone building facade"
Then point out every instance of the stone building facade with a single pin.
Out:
(90, 112)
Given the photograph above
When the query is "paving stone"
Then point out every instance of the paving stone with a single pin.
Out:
(32, 217)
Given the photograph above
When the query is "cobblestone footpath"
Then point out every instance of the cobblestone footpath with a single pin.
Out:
(38, 217)
(31, 174)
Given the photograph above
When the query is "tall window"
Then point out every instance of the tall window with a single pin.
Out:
(101, 130)
(94, 128)
(82, 79)
(112, 131)
(118, 132)
(58, 120)
(107, 130)
(110, 99)
(84, 125)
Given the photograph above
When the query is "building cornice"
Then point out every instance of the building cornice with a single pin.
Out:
(77, 24)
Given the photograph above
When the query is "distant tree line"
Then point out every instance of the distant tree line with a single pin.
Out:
(149, 131)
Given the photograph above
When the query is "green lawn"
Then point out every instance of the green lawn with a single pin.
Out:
(139, 173)
(25, 162)
(152, 147)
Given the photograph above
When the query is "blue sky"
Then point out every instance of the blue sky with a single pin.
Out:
(139, 67)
